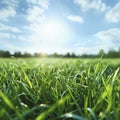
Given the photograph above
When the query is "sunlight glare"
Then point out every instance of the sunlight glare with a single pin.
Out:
(53, 31)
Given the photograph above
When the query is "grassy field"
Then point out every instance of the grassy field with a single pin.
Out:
(59, 89)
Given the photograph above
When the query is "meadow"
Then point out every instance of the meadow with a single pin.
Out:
(59, 89)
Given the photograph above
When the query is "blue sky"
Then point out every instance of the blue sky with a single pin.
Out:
(80, 26)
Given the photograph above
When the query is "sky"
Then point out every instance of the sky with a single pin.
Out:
(49, 26)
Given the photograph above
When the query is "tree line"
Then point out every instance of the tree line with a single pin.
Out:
(18, 54)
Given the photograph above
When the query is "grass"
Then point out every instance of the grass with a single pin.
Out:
(59, 89)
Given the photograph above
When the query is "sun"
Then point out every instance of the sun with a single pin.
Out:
(53, 30)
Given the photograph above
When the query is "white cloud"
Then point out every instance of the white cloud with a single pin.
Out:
(36, 17)
(6, 36)
(112, 35)
(75, 18)
(43, 3)
(9, 10)
(5, 13)
(35, 14)
(106, 40)
(22, 38)
(113, 15)
(11, 3)
(92, 4)
(9, 28)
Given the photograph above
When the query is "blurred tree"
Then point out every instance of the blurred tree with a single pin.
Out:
(37, 54)
(101, 53)
(7, 54)
(67, 55)
(4, 54)
(17, 54)
(113, 54)
(27, 54)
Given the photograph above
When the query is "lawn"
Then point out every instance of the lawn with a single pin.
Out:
(59, 89)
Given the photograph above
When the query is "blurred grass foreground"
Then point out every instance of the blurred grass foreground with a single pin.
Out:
(59, 89)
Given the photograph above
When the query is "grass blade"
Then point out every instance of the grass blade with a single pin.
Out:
(43, 115)
(7, 101)
(74, 116)
(26, 78)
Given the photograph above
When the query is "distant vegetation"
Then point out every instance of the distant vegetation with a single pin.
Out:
(18, 54)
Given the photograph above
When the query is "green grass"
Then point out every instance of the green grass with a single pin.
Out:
(59, 89)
